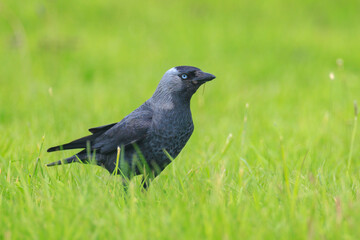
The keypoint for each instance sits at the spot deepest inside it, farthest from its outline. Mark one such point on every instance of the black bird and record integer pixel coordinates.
(158, 128)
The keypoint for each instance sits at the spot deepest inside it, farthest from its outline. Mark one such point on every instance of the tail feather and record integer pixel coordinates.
(79, 143)
(61, 162)
(83, 142)
(79, 157)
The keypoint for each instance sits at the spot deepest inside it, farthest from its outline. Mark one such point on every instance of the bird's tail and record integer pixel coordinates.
(64, 161)
(79, 157)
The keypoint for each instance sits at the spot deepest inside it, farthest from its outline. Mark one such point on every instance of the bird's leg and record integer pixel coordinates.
(147, 178)
(145, 182)
(125, 183)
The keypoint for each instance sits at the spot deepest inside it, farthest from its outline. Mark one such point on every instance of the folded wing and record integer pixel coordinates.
(107, 138)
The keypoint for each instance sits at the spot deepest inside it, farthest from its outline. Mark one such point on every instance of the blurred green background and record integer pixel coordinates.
(287, 172)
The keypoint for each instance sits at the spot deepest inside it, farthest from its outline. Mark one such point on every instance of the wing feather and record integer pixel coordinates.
(107, 138)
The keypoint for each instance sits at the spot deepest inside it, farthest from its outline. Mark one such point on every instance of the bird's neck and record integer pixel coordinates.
(170, 110)
(170, 101)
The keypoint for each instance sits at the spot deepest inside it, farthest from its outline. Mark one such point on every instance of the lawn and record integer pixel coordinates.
(275, 151)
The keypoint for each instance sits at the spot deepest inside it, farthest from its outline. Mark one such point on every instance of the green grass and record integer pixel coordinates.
(289, 171)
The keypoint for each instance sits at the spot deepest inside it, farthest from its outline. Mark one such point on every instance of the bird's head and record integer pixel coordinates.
(183, 81)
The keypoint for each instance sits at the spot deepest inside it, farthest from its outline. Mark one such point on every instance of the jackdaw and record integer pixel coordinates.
(149, 137)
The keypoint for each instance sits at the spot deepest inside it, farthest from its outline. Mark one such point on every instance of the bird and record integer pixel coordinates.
(151, 136)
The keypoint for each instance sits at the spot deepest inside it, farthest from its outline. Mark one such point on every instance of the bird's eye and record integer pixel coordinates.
(184, 76)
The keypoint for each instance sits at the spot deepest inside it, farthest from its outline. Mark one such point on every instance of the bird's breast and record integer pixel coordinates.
(170, 135)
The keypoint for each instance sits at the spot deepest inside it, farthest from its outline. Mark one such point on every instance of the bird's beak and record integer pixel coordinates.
(203, 77)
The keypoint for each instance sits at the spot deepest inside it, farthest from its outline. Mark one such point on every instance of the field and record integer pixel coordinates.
(275, 151)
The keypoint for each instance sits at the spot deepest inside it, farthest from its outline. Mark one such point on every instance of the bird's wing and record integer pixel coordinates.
(131, 129)
(101, 128)
(108, 137)
(81, 142)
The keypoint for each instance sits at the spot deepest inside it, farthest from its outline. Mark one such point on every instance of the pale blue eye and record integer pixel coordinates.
(184, 76)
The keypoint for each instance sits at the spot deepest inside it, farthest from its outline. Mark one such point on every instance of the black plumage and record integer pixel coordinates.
(158, 128)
